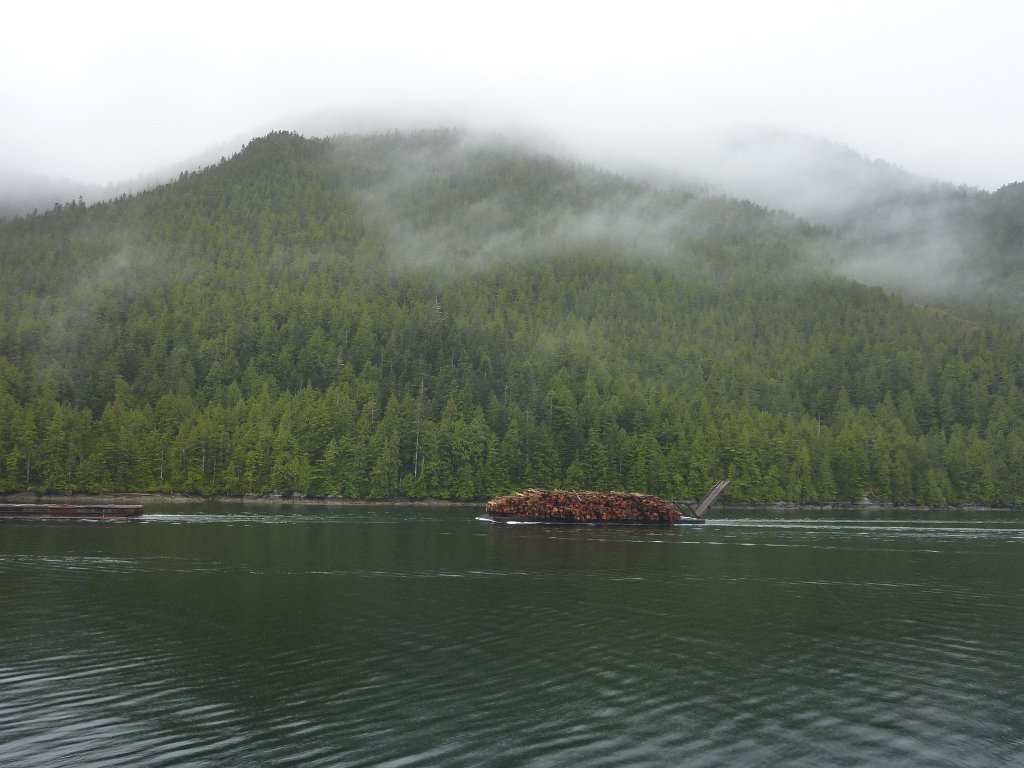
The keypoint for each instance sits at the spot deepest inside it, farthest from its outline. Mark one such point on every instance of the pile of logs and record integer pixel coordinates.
(583, 507)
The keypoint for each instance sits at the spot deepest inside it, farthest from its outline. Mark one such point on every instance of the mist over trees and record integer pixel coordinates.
(930, 241)
(436, 314)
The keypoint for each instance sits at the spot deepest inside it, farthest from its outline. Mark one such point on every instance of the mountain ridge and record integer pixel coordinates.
(931, 241)
(432, 314)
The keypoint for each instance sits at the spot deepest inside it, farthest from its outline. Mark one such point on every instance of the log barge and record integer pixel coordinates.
(597, 508)
(70, 511)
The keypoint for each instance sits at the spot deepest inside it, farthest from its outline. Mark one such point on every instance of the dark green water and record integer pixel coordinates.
(260, 636)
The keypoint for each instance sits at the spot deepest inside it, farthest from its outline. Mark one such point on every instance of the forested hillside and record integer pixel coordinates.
(434, 314)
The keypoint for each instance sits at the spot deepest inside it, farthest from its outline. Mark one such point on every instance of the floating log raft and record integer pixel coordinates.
(556, 506)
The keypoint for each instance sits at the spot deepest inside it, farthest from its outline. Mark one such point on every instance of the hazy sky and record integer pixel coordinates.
(104, 90)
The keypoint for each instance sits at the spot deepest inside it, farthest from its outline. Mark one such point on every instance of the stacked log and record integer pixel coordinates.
(583, 507)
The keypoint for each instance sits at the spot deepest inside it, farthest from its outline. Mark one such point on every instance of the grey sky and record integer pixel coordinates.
(105, 90)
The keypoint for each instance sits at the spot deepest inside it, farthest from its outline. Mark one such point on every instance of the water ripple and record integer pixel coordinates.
(302, 640)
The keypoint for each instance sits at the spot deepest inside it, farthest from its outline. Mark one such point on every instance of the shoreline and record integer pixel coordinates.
(82, 497)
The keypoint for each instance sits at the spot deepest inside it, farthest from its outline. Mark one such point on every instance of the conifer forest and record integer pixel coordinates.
(434, 314)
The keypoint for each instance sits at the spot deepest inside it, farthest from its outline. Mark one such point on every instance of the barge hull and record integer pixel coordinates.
(70, 511)
(523, 519)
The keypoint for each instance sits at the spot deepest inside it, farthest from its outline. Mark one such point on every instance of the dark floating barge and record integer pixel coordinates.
(597, 508)
(70, 511)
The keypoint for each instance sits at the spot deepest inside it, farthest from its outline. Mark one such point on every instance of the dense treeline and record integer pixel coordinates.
(425, 315)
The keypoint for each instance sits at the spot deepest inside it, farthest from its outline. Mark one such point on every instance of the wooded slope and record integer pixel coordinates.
(433, 314)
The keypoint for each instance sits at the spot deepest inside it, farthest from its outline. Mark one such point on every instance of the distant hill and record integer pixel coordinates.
(931, 241)
(818, 180)
(439, 314)
(23, 193)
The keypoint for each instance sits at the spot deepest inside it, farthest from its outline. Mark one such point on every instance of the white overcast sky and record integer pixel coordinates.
(102, 90)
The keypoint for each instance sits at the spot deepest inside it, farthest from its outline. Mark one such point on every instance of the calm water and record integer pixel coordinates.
(260, 636)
